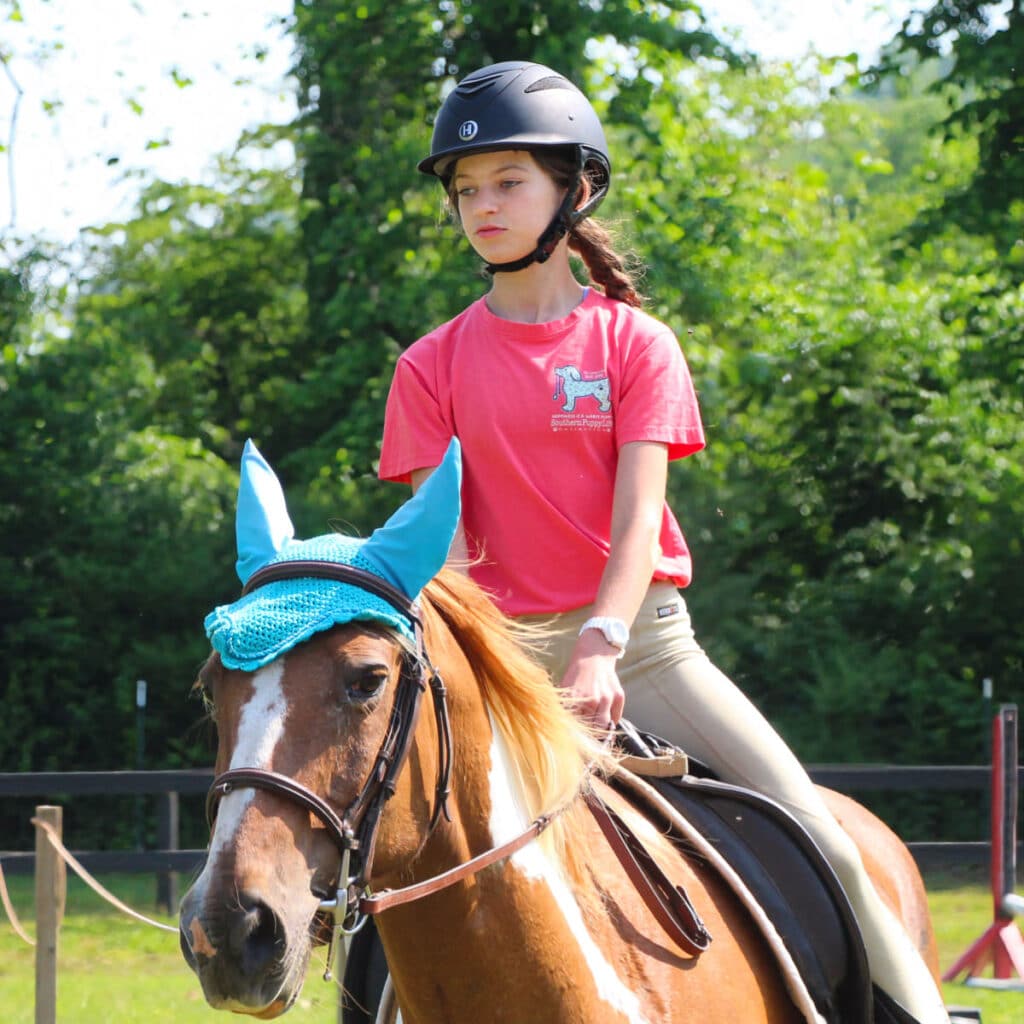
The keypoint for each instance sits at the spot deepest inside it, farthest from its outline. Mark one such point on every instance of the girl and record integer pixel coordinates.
(569, 402)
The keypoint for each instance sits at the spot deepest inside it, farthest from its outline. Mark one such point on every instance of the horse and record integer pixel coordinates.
(498, 898)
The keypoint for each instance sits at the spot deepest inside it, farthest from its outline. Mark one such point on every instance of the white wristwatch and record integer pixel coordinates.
(615, 631)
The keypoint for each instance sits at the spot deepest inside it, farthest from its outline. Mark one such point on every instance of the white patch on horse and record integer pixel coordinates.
(508, 819)
(259, 729)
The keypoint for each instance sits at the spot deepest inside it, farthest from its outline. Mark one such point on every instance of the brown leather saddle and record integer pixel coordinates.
(783, 867)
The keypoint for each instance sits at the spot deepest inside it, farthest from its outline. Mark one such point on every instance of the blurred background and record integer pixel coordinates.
(213, 229)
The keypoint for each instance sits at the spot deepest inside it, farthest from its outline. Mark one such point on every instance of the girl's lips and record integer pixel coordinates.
(489, 231)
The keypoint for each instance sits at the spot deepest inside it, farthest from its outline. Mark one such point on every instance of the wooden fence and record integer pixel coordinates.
(168, 860)
(1001, 781)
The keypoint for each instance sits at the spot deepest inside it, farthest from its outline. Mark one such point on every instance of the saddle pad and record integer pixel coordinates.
(787, 875)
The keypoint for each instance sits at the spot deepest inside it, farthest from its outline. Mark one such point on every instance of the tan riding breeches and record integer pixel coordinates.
(674, 691)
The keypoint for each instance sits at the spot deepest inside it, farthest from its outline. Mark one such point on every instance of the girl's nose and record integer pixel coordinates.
(488, 200)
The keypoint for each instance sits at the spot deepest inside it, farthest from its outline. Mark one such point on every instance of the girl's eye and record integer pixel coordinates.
(465, 191)
(510, 183)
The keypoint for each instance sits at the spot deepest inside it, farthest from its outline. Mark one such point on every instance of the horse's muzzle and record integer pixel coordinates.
(241, 956)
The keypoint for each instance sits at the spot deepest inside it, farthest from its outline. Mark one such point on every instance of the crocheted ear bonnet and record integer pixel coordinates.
(407, 551)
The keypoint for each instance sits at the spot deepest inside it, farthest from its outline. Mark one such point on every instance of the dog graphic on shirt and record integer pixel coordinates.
(570, 383)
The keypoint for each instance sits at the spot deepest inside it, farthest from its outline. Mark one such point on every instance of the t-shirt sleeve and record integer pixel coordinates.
(657, 400)
(417, 425)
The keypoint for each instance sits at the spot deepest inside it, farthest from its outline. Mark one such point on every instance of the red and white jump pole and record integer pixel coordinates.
(1001, 944)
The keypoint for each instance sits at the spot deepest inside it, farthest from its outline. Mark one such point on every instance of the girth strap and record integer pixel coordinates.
(668, 903)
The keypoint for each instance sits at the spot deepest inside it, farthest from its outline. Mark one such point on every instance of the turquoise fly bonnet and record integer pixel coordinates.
(406, 552)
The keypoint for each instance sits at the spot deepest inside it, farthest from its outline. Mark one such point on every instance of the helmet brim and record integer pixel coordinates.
(439, 165)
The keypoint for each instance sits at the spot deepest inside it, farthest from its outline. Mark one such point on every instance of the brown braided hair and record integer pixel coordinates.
(589, 239)
(593, 242)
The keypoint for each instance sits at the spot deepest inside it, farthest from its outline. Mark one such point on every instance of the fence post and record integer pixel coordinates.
(167, 839)
(51, 891)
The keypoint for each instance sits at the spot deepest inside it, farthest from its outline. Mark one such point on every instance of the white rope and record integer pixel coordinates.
(11, 915)
(51, 834)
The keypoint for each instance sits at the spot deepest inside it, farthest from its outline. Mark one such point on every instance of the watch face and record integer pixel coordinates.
(616, 632)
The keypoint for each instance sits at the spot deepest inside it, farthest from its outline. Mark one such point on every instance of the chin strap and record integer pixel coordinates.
(562, 223)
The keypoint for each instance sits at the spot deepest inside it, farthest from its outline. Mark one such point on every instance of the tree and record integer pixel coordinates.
(855, 518)
(834, 515)
(978, 45)
(206, 280)
(121, 427)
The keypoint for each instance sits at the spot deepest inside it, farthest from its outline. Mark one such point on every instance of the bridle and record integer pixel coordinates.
(354, 832)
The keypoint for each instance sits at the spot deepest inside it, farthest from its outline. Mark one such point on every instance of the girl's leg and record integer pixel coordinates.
(673, 690)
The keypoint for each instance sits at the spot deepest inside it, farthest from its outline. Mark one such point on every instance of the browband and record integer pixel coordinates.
(318, 569)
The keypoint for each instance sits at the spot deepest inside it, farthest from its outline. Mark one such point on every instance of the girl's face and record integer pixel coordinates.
(505, 201)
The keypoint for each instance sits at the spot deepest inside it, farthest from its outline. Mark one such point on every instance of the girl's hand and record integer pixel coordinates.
(592, 681)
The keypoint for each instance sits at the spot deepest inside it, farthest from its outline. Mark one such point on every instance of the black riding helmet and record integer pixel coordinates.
(520, 105)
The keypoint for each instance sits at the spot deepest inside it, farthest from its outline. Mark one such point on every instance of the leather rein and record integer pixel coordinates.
(354, 833)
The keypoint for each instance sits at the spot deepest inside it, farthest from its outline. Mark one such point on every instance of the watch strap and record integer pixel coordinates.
(614, 630)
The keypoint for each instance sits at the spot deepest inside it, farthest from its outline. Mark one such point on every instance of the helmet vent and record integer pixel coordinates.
(478, 83)
(552, 82)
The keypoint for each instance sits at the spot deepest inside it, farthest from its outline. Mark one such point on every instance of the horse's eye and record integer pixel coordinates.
(366, 683)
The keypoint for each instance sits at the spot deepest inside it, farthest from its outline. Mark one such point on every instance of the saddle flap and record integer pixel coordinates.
(786, 872)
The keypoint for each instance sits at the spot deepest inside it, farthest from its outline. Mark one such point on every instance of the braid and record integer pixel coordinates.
(589, 238)
(606, 267)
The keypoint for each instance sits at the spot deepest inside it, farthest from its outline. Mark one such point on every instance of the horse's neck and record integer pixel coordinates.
(521, 921)
(513, 937)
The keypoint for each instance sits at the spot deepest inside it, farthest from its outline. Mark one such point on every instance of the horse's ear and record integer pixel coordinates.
(262, 524)
(410, 548)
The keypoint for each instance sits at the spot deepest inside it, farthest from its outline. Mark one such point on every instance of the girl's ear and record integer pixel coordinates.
(583, 195)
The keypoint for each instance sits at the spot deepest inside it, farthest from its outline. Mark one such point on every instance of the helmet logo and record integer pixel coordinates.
(468, 130)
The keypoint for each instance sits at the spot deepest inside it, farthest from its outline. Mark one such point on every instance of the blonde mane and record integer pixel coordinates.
(554, 751)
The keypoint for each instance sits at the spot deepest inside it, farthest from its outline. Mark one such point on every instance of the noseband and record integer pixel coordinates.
(354, 833)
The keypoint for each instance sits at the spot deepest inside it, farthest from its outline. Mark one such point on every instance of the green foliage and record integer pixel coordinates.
(977, 45)
(861, 420)
(206, 284)
(121, 430)
(855, 519)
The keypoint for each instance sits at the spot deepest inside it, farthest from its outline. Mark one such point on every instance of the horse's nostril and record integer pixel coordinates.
(256, 935)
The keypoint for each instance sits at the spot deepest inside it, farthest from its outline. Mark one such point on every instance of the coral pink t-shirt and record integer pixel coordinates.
(541, 411)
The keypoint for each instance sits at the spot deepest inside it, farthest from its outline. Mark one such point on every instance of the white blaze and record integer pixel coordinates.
(259, 728)
(508, 820)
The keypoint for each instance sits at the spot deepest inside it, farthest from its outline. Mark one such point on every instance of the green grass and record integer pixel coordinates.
(114, 970)
(961, 906)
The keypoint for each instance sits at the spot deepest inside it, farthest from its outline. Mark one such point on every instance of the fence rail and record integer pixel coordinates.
(46, 784)
(169, 784)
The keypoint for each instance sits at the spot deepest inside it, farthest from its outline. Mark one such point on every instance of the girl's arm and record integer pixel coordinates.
(637, 509)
